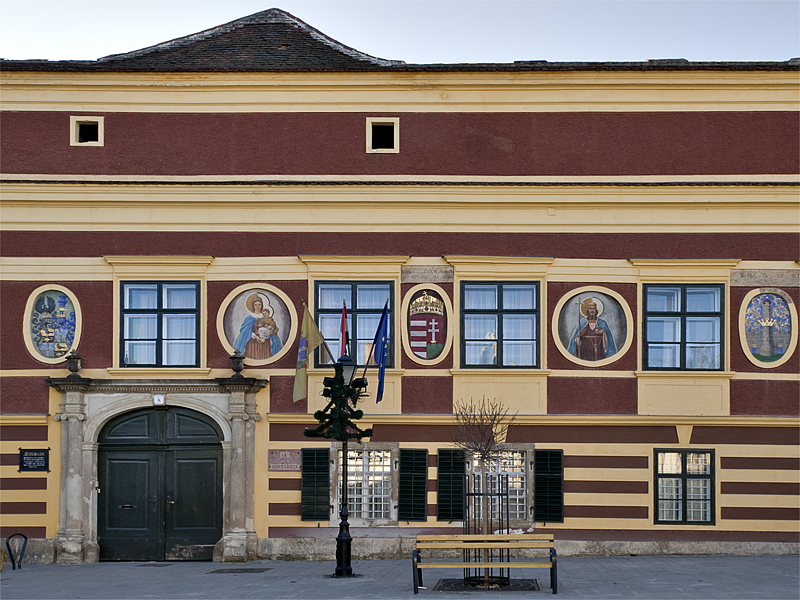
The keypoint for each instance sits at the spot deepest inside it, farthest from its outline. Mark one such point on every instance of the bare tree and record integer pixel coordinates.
(479, 429)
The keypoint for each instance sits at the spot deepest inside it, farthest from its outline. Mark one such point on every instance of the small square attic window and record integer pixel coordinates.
(86, 131)
(383, 135)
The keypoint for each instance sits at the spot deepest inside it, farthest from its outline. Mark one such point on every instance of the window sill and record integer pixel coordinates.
(704, 374)
(510, 371)
(158, 372)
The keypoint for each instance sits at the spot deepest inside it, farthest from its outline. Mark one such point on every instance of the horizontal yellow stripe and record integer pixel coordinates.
(607, 499)
(24, 419)
(583, 474)
(27, 520)
(760, 476)
(541, 91)
(759, 501)
(401, 208)
(25, 495)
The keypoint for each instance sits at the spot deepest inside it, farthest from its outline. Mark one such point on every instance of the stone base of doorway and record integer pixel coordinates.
(401, 548)
(516, 585)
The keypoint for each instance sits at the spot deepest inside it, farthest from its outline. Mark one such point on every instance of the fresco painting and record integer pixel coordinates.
(52, 324)
(427, 324)
(257, 324)
(768, 326)
(592, 326)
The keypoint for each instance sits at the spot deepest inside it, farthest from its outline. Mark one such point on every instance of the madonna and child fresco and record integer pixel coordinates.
(592, 326)
(257, 324)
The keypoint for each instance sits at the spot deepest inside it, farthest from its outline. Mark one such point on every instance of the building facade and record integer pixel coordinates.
(610, 250)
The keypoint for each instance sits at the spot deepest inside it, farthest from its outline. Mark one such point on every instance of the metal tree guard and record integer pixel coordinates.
(475, 522)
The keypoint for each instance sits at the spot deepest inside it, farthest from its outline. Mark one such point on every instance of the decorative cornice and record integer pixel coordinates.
(242, 384)
(154, 386)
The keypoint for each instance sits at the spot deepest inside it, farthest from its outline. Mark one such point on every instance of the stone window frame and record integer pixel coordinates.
(75, 121)
(684, 477)
(395, 123)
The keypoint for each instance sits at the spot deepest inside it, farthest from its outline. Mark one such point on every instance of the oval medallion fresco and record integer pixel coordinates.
(426, 335)
(592, 326)
(51, 330)
(257, 322)
(768, 327)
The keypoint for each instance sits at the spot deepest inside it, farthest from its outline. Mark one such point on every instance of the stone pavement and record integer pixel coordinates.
(654, 577)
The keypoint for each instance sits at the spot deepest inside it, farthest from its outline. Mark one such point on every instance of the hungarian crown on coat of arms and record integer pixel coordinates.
(426, 305)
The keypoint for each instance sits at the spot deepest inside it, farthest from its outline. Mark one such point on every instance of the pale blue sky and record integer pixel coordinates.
(428, 31)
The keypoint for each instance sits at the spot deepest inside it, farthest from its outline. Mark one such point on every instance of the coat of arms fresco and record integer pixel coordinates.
(52, 324)
(768, 326)
(427, 324)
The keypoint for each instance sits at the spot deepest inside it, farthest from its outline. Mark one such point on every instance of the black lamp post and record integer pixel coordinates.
(336, 423)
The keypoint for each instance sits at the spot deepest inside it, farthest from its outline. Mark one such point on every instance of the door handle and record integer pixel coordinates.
(170, 501)
(152, 500)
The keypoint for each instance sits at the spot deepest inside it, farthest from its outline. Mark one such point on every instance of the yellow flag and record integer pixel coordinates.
(310, 339)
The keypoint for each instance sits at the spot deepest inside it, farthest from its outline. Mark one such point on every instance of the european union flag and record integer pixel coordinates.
(379, 349)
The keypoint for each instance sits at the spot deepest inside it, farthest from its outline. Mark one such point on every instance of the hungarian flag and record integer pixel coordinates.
(310, 339)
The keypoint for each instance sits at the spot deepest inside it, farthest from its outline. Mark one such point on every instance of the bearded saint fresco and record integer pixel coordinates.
(592, 326)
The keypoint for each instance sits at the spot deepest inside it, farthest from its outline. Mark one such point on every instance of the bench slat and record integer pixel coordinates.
(470, 565)
(482, 545)
(488, 537)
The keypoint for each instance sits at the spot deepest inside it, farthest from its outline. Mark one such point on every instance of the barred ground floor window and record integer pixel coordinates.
(684, 486)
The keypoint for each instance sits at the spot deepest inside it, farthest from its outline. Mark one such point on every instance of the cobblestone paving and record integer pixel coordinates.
(651, 577)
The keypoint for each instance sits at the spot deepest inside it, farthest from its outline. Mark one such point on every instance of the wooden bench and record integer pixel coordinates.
(473, 557)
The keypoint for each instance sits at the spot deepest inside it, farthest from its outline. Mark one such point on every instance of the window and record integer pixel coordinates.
(369, 484)
(160, 324)
(383, 135)
(86, 131)
(315, 494)
(412, 489)
(684, 486)
(548, 486)
(507, 464)
(500, 323)
(365, 302)
(450, 485)
(683, 327)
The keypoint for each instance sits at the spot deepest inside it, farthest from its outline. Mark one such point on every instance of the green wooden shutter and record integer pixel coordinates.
(412, 490)
(315, 494)
(548, 486)
(450, 485)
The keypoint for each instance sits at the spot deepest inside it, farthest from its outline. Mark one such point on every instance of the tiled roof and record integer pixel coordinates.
(274, 40)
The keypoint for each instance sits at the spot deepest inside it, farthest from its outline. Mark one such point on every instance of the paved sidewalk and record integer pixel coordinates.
(653, 577)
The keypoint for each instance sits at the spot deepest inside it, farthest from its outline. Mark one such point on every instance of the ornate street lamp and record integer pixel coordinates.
(336, 422)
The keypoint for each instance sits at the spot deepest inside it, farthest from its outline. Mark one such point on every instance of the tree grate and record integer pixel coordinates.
(244, 570)
(516, 585)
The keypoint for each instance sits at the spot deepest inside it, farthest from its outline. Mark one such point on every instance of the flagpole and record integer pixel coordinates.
(372, 349)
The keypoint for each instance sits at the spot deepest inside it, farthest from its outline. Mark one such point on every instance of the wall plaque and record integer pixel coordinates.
(284, 460)
(34, 460)
(426, 274)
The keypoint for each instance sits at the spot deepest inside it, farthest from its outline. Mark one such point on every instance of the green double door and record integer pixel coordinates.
(160, 486)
